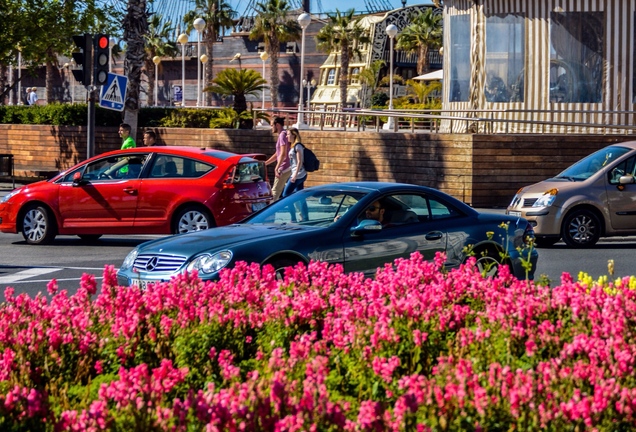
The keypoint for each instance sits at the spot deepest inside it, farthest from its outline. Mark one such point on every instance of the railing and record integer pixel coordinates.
(429, 121)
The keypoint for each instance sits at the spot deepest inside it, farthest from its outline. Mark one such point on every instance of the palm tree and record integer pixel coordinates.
(217, 15)
(274, 26)
(158, 43)
(370, 78)
(344, 34)
(238, 83)
(421, 90)
(135, 27)
(422, 34)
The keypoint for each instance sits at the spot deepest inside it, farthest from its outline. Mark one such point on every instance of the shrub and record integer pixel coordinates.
(416, 348)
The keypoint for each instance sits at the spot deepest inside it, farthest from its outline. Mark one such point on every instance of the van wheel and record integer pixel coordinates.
(38, 225)
(192, 219)
(581, 229)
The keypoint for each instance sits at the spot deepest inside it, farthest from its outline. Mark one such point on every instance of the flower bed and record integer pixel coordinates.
(417, 348)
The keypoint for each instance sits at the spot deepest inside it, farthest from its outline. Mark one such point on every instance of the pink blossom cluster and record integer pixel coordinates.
(415, 348)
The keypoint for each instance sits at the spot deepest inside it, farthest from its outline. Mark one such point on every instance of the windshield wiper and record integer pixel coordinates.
(569, 178)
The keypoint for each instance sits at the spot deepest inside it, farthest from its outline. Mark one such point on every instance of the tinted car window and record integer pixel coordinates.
(590, 165)
(112, 168)
(249, 172)
(628, 166)
(166, 166)
(317, 208)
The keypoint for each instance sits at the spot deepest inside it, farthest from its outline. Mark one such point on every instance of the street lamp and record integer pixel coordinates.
(183, 40)
(310, 85)
(111, 44)
(391, 32)
(66, 67)
(19, 99)
(204, 60)
(156, 60)
(264, 56)
(199, 25)
(304, 19)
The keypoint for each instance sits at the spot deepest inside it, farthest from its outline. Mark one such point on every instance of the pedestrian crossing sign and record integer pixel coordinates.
(113, 94)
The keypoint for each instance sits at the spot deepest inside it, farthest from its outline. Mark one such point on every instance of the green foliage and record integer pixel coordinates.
(238, 83)
(379, 99)
(51, 114)
(188, 118)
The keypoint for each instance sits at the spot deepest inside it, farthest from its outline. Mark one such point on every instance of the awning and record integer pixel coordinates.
(431, 76)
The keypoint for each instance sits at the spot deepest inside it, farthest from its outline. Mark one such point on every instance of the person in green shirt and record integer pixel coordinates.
(124, 133)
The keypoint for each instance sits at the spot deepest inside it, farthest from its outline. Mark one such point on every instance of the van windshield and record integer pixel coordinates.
(590, 165)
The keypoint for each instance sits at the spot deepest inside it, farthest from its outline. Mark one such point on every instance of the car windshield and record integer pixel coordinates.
(590, 165)
(317, 208)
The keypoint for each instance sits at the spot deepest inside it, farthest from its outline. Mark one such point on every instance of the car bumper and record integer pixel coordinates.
(517, 264)
(7, 219)
(545, 221)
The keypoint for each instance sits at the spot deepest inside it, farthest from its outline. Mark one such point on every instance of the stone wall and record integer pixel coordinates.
(481, 170)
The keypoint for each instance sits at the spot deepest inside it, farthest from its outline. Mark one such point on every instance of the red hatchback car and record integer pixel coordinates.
(147, 190)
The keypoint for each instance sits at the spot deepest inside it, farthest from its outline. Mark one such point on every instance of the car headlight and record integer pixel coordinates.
(130, 259)
(210, 263)
(10, 195)
(547, 199)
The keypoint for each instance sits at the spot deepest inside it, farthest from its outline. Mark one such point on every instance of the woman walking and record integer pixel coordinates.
(298, 176)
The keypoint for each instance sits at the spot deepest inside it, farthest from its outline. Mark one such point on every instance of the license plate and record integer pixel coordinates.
(258, 206)
(140, 283)
(515, 213)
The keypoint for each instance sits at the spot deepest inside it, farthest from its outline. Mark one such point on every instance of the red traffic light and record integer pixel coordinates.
(102, 42)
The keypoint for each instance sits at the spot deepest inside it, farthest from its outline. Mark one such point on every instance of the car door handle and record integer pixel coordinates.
(130, 191)
(435, 235)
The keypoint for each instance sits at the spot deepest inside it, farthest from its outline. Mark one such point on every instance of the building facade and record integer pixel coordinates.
(530, 66)
(327, 92)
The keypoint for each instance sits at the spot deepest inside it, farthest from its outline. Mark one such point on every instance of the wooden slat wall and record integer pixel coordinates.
(482, 170)
(618, 75)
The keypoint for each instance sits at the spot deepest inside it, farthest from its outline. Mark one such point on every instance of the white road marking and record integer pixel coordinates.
(28, 273)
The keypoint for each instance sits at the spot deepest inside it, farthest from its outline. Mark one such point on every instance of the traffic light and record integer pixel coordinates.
(102, 59)
(85, 43)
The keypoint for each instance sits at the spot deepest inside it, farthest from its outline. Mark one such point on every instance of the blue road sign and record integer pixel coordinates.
(113, 94)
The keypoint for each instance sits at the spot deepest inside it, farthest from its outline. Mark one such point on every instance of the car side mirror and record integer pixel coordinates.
(626, 179)
(325, 200)
(366, 225)
(77, 179)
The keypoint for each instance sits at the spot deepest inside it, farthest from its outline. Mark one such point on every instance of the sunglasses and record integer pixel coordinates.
(374, 208)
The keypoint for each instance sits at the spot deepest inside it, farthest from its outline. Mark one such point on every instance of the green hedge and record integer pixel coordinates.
(56, 114)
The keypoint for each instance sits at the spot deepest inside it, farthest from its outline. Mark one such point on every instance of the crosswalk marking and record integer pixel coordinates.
(28, 273)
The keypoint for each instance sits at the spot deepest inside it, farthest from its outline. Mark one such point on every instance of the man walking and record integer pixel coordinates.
(150, 139)
(124, 133)
(282, 171)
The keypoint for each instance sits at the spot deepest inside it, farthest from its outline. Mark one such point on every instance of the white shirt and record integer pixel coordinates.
(33, 98)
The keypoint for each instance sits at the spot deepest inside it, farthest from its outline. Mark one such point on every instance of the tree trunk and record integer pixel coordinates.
(422, 60)
(150, 73)
(344, 74)
(135, 26)
(209, 73)
(272, 47)
(49, 80)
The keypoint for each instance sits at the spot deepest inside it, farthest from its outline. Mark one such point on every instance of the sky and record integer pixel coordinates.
(359, 5)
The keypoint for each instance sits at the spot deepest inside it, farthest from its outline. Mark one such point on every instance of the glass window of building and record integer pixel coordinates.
(355, 75)
(577, 41)
(460, 58)
(331, 77)
(505, 46)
